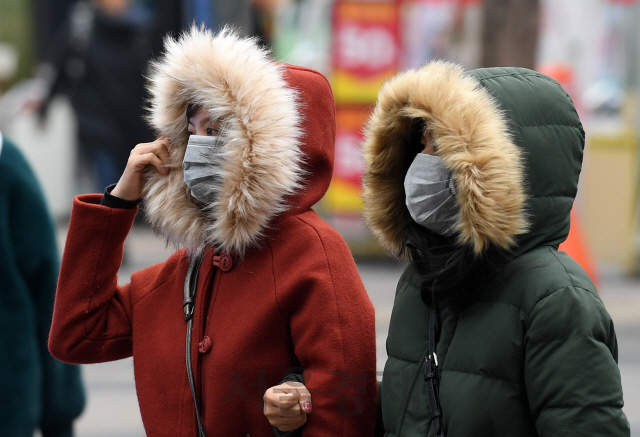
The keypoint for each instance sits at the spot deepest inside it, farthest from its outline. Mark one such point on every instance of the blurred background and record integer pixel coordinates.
(72, 97)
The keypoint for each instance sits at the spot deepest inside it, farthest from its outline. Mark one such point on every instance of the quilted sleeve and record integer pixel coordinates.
(571, 373)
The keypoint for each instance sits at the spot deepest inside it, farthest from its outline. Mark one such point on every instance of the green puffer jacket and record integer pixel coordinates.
(37, 392)
(536, 354)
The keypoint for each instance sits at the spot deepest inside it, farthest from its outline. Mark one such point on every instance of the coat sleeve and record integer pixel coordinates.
(33, 236)
(92, 313)
(571, 372)
(332, 325)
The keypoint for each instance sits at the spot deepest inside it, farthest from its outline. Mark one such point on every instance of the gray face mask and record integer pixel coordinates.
(430, 194)
(202, 166)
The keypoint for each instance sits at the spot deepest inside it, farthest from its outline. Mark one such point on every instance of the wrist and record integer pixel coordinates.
(113, 201)
(123, 193)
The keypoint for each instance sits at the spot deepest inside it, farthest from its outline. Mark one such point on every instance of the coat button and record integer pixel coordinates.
(204, 345)
(226, 262)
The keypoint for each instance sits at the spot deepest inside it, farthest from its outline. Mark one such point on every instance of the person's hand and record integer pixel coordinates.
(131, 182)
(287, 405)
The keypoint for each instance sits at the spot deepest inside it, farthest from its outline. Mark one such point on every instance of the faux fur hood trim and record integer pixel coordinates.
(472, 138)
(239, 84)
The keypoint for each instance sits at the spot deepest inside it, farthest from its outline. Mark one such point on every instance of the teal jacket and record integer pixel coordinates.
(36, 391)
(536, 353)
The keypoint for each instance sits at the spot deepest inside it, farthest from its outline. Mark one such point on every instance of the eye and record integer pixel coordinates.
(212, 131)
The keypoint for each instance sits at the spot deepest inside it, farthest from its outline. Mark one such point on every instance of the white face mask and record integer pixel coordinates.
(430, 194)
(202, 165)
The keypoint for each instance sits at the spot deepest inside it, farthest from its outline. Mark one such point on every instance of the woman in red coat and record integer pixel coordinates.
(277, 287)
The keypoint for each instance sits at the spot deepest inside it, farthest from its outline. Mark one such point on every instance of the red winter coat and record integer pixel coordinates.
(292, 297)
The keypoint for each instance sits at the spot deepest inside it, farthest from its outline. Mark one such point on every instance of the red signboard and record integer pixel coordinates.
(348, 163)
(346, 188)
(365, 48)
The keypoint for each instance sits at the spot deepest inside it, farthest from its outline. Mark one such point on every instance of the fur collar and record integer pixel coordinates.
(237, 82)
(472, 137)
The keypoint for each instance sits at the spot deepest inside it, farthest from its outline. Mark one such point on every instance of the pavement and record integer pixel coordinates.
(112, 408)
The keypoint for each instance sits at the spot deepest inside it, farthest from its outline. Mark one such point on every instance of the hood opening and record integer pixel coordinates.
(279, 140)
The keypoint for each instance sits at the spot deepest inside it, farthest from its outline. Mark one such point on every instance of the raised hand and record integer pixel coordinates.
(131, 182)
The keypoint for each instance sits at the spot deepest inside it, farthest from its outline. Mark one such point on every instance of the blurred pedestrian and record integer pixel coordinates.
(262, 285)
(98, 60)
(37, 392)
(472, 176)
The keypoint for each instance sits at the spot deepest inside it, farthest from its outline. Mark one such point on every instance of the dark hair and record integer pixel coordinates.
(192, 109)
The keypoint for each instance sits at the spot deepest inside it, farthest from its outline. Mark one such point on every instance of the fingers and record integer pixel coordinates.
(305, 400)
(155, 153)
(301, 395)
(287, 424)
(142, 161)
(131, 183)
(283, 398)
(163, 153)
(286, 405)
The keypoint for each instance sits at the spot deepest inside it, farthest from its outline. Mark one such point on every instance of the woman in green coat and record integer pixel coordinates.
(472, 176)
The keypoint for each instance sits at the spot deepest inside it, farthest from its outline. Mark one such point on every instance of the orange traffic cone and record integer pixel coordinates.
(576, 247)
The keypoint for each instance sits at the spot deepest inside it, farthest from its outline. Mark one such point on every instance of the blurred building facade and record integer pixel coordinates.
(591, 46)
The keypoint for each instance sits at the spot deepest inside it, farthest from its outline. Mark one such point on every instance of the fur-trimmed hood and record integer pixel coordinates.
(512, 137)
(278, 131)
